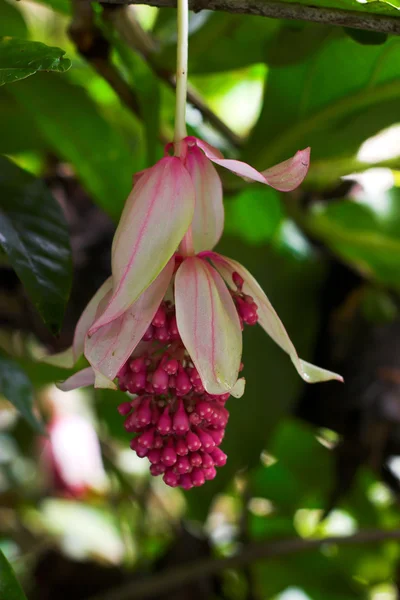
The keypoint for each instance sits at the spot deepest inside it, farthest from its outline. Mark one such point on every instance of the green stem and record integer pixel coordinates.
(181, 74)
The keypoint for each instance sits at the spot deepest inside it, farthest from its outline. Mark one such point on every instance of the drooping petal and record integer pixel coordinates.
(109, 347)
(69, 357)
(208, 324)
(77, 380)
(87, 318)
(156, 216)
(208, 218)
(288, 175)
(285, 176)
(268, 318)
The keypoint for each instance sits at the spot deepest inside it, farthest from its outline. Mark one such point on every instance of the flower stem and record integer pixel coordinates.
(181, 73)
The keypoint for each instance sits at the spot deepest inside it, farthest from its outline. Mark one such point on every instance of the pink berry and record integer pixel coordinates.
(180, 422)
(171, 478)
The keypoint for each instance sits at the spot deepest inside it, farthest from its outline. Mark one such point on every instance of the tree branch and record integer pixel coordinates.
(182, 574)
(287, 10)
(134, 36)
(93, 46)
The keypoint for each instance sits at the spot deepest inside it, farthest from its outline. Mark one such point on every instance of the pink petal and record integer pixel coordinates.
(288, 175)
(69, 357)
(87, 318)
(156, 216)
(269, 319)
(208, 218)
(77, 380)
(208, 324)
(109, 347)
(285, 176)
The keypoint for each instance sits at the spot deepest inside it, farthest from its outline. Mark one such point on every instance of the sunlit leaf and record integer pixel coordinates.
(328, 102)
(71, 123)
(367, 240)
(20, 59)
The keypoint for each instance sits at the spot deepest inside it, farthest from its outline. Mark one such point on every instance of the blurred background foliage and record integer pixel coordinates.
(79, 515)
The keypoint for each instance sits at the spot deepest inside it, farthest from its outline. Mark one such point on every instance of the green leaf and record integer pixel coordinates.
(71, 123)
(303, 474)
(224, 34)
(366, 37)
(17, 389)
(12, 23)
(9, 586)
(331, 109)
(307, 38)
(33, 234)
(61, 6)
(20, 59)
(365, 239)
(147, 87)
(254, 214)
(17, 131)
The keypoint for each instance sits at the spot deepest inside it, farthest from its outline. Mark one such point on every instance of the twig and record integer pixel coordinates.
(175, 577)
(287, 10)
(132, 33)
(94, 47)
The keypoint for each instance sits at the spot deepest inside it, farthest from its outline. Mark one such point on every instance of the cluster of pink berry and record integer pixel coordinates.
(245, 305)
(178, 425)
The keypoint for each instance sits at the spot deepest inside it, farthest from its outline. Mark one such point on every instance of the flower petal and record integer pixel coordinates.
(77, 380)
(268, 318)
(208, 324)
(87, 318)
(156, 216)
(285, 176)
(288, 175)
(67, 358)
(109, 347)
(208, 218)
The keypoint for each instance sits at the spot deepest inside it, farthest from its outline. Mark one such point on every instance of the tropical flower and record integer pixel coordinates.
(167, 324)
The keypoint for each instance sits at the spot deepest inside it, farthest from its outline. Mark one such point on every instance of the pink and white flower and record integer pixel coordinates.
(168, 323)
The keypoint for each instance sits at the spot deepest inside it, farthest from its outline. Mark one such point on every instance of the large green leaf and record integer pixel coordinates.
(12, 22)
(17, 131)
(368, 240)
(34, 235)
(332, 102)
(303, 473)
(71, 123)
(214, 46)
(254, 214)
(20, 59)
(9, 586)
(17, 389)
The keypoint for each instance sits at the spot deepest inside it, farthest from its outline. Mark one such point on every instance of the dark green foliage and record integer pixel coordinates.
(35, 238)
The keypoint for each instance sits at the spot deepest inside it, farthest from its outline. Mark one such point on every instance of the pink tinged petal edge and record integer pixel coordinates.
(208, 218)
(77, 380)
(288, 175)
(111, 345)
(156, 216)
(69, 357)
(209, 325)
(269, 320)
(285, 176)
